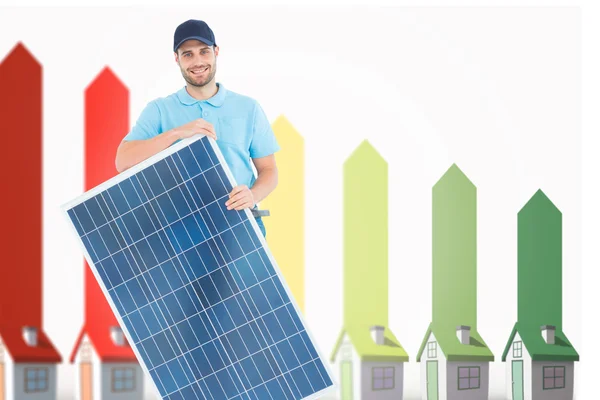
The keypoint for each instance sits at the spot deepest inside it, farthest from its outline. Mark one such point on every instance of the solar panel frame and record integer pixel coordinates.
(209, 145)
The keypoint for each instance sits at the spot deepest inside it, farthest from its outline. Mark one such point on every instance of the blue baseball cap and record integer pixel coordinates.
(193, 29)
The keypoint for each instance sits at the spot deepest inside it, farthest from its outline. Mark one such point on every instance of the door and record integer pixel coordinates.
(86, 381)
(347, 384)
(432, 380)
(517, 380)
(1, 381)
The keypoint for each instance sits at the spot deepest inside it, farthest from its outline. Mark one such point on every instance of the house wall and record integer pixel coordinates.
(553, 394)
(442, 395)
(19, 382)
(526, 358)
(367, 384)
(362, 375)
(471, 394)
(356, 371)
(106, 379)
(9, 382)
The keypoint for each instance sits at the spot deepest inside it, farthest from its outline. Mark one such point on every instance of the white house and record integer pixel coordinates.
(28, 363)
(107, 368)
(539, 364)
(454, 365)
(371, 364)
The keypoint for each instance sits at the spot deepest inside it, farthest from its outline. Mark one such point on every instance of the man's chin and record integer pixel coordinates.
(198, 83)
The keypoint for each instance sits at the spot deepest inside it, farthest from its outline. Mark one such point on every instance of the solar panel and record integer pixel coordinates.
(194, 285)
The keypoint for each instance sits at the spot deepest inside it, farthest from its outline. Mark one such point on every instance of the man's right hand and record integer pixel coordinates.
(197, 126)
(132, 152)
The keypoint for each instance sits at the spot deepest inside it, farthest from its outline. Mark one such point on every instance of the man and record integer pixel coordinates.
(205, 107)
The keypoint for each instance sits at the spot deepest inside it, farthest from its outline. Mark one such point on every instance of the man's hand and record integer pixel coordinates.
(240, 198)
(195, 127)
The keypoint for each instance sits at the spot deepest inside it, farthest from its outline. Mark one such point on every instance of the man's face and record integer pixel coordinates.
(197, 61)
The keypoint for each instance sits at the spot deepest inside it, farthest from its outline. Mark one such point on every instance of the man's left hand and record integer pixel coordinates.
(241, 197)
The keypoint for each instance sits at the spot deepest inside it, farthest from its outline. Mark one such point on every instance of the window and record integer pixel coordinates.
(468, 378)
(36, 380)
(123, 379)
(554, 378)
(383, 378)
(517, 349)
(432, 350)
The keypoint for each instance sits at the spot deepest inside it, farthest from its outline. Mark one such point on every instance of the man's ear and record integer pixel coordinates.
(176, 57)
(216, 50)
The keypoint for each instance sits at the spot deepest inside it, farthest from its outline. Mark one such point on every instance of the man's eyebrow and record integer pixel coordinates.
(202, 48)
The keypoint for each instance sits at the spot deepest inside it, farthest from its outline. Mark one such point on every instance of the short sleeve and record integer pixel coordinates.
(263, 141)
(147, 125)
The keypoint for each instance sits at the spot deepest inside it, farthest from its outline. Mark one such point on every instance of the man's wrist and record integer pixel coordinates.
(254, 197)
(174, 134)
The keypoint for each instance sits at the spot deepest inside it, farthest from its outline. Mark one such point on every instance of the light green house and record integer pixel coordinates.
(367, 354)
(454, 357)
(539, 357)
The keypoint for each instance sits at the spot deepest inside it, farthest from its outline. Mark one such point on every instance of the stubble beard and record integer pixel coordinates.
(190, 79)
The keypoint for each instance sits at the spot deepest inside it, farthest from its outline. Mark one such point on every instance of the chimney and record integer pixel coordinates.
(548, 333)
(464, 334)
(30, 335)
(117, 335)
(377, 334)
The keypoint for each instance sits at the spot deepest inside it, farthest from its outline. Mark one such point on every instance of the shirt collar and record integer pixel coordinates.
(216, 101)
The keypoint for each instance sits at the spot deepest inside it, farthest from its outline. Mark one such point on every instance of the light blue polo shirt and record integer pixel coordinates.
(243, 130)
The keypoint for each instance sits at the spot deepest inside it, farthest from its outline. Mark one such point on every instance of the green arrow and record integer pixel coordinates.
(540, 262)
(365, 238)
(454, 251)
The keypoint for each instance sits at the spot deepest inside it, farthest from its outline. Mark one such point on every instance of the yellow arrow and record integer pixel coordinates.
(285, 225)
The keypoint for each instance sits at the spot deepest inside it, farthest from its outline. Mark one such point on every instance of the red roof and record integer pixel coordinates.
(106, 349)
(21, 352)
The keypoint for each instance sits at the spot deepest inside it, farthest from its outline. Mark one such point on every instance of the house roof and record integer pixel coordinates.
(538, 349)
(21, 352)
(453, 350)
(367, 349)
(106, 349)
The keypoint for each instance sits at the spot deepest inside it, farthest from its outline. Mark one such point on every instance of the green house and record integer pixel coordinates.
(454, 357)
(369, 358)
(539, 357)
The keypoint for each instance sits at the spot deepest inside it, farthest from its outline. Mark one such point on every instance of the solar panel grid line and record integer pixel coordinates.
(235, 308)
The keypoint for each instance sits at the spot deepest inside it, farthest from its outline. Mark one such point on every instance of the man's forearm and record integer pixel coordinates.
(135, 151)
(265, 183)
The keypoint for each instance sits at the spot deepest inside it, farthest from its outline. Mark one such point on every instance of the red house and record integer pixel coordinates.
(107, 367)
(28, 359)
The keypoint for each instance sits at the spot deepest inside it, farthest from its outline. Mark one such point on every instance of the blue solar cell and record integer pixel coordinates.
(95, 212)
(193, 283)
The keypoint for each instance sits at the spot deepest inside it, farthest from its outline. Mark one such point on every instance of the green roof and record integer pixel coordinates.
(453, 350)
(538, 349)
(367, 349)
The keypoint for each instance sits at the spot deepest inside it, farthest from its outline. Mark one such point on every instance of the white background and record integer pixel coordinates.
(496, 90)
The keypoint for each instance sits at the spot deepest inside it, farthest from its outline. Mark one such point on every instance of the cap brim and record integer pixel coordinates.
(203, 40)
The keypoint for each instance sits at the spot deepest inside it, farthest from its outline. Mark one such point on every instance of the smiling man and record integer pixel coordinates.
(204, 106)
